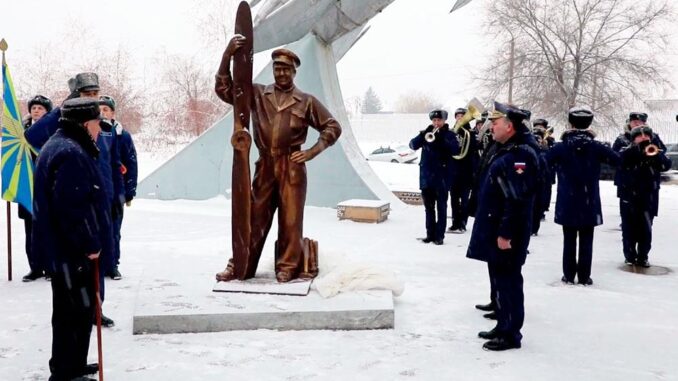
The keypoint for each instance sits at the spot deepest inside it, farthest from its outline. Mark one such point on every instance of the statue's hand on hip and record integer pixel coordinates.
(303, 156)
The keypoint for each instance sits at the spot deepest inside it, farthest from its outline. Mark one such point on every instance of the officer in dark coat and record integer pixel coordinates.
(543, 198)
(642, 161)
(86, 85)
(71, 228)
(126, 175)
(503, 219)
(438, 145)
(576, 160)
(38, 106)
(462, 170)
(110, 167)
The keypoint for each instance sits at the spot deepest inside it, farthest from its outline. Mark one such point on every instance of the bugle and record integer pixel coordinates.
(651, 150)
(431, 135)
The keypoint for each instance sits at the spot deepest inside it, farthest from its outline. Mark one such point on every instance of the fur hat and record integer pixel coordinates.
(441, 114)
(580, 117)
(40, 100)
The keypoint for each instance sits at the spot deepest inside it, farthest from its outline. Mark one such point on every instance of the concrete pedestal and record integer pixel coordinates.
(188, 305)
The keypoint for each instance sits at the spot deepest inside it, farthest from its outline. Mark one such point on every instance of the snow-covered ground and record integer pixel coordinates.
(625, 327)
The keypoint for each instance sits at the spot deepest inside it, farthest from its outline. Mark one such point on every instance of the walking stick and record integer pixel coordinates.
(98, 317)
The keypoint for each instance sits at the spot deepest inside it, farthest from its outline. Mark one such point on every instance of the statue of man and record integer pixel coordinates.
(281, 115)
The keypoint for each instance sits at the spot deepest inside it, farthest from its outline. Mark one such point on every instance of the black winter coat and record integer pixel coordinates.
(640, 183)
(435, 157)
(506, 195)
(463, 170)
(71, 212)
(576, 160)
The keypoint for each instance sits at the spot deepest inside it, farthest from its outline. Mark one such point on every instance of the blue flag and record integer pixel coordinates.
(17, 164)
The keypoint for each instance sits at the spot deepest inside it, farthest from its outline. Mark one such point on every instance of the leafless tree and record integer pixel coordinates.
(597, 53)
(115, 76)
(184, 101)
(416, 102)
(215, 22)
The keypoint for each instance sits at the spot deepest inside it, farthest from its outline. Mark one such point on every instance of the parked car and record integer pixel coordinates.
(401, 154)
(672, 153)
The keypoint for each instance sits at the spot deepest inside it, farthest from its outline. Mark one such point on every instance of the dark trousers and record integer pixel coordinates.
(459, 195)
(493, 286)
(537, 214)
(510, 299)
(435, 205)
(636, 231)
(72, 315)
(117, 225)
(572, 266)
(32, 260)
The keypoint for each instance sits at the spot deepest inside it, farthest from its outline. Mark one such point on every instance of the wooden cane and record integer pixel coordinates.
(98, 317)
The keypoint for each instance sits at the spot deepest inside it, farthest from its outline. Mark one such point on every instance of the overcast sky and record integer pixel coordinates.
(411, 46)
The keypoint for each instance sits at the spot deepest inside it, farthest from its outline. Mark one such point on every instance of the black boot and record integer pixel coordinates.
(438, 242)
(500, 344)
(90, 369)
(566, 281)
(643, 263)
(33, 275)
(425, 240)
(492, 316)
(115, 274)
(489, 335)
(105, 322)
(587, 282)
(485, 307)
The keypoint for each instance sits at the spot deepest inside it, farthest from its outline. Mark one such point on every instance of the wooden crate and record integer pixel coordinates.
(374, 211)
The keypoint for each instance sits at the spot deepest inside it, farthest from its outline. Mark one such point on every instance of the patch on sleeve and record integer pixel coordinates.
(519, 167)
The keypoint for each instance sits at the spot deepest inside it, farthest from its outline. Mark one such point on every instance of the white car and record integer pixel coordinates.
(401, 154)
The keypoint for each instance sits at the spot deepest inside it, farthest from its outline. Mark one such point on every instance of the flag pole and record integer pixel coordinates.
(3, 47)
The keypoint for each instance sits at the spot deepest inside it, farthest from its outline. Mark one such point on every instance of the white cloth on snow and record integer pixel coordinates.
(357, 277)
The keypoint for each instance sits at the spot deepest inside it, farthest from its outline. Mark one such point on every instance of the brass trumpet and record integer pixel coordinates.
(430, 136)
(652, 150)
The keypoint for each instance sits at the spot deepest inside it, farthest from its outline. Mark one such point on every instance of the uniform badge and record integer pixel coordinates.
(519, 167)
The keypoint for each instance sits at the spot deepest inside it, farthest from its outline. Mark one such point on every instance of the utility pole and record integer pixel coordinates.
(512, 60)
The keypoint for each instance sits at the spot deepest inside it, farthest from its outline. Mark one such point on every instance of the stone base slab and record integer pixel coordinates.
(188, 305)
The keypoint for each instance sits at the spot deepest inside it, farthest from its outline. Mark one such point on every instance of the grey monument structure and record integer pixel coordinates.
(320, 32)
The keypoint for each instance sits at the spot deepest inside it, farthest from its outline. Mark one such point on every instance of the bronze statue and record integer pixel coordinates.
(281, 115)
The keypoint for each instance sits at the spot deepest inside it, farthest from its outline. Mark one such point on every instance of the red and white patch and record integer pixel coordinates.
(519, 168)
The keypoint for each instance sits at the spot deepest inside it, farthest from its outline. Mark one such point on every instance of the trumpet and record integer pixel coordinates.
(430, 136)
(475, 110)
(652, 150)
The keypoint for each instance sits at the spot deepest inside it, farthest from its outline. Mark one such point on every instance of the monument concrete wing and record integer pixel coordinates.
(328, 19)
(203, 169)
(459, 4)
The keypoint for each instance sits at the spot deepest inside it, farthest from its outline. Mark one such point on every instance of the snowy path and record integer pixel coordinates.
(625, 327)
